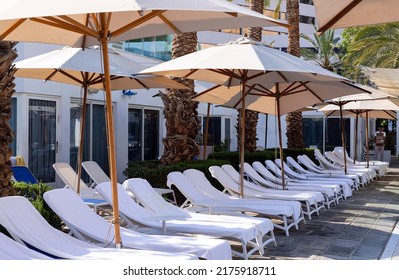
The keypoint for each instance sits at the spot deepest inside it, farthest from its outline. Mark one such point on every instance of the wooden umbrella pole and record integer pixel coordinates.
(280, 140)
(356, 132)
(81, 141)
(111, 138)
(343, 136)
(242, 140)
(367, 138)
(206, 131)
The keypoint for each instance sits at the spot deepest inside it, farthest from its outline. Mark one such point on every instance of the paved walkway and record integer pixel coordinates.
(363, 227)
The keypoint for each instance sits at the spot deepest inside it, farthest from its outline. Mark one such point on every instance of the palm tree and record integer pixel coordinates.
(181, 115)
(375, 46)
(294, 120)
(326, 46)
(7, 56)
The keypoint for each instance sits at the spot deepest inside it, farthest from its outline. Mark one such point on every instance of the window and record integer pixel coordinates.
(143, 134)
(42, 139)
(333, 133)
(214, 130)
(313, 132)
(95, 137)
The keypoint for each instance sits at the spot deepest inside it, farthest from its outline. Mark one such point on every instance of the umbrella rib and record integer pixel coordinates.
(258, 75)
(85, 29)
(51, 75)
(66, 74)
(140, 82)
(311, 91)
(245, 95)
(207, 90)
(55, 22)
(336, 18)
(170, 24)
(12, 28)
(136, 22)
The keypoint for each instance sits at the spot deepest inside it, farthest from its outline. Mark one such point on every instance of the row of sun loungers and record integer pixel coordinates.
(204, 227)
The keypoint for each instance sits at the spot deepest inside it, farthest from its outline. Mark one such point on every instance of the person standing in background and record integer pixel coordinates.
(379, 144)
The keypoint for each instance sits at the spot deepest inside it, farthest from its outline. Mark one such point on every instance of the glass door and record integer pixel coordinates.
(43, 144)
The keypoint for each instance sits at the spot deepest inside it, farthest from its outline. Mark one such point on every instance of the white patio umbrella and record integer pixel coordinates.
(86, 23)
(256, 77)
(83, 67)
(347, 13)
(358, 104)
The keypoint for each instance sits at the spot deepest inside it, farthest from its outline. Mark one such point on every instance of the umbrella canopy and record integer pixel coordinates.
(386, 79)
(258, 78)
(358, 104)
(347, 13)
(85, 23)
(83, 67)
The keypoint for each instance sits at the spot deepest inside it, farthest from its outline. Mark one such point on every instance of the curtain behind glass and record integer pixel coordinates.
(75, 122)
(151, 134)
(100, 147)
(42, 139)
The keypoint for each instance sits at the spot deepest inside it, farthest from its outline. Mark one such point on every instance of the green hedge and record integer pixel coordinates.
(156, 174)
(34, 192)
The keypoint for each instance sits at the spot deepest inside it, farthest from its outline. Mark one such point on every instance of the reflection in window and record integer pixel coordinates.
(313, 132)
(95, 137)
(42, 139)
(143, 134)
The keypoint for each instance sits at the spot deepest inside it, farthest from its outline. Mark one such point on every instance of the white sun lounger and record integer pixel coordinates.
(88, 226)
(382, 165)
(329, 191)
(70, 179)
(311, 202)
(344, 190)
(337, 157)
(313, 167)
(296, 167)
(192, 182)
(98, 176)
(326, 164)
(28, 227)
(249, 233)
(371, 172)
(11, 250)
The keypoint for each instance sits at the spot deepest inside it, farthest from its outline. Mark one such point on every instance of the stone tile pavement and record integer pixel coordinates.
(363, 227)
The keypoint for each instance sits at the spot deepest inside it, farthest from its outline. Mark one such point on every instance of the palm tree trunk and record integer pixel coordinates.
(7, 56)
(251, 117)
(180, 111)
(294, 120)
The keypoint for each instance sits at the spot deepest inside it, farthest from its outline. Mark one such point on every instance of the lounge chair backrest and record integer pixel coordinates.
(70, 177)
(225, 180)
(273, 168)
(291, 173)
(11, 250)
(271, 180)
(24, 222)
(296, 166)
(150, 199)
(185, 186)
(125, 201)
(95, 172)
(73, 211)
(200, 181)
(23, 174)
(323, 161)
